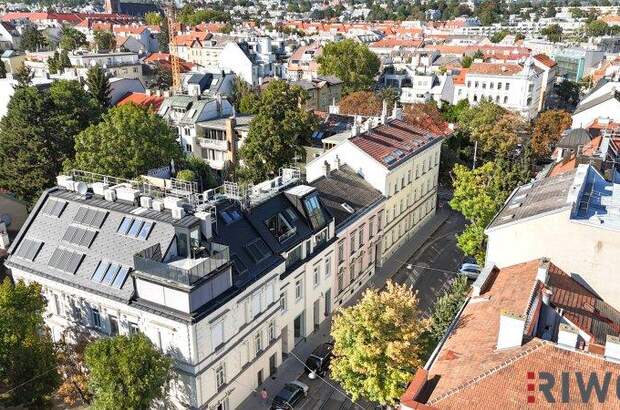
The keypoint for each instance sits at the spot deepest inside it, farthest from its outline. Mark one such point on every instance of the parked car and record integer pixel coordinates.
(318, 361)
(291, 394)
(471, 270)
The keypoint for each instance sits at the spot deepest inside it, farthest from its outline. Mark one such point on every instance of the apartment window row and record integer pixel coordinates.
(258, 302)
(504, 100)
(483, 85)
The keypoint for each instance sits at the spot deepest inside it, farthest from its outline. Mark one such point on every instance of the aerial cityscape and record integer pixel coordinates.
(317, 205)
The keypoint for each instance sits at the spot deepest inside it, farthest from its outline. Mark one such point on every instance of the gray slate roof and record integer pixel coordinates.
(536, 198)
(345, 186)
(575, 137)
(596, 101)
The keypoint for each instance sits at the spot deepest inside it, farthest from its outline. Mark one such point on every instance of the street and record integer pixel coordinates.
(428, 269)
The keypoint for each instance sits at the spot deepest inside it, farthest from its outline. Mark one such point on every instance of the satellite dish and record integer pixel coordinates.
(81, 188)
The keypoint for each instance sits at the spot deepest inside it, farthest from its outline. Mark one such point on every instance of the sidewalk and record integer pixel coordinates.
(291, 368)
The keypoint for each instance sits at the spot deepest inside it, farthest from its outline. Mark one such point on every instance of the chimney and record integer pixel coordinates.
(397, 113)
(546, 296)
(148, 92)
(334, 109)
(511, 328)
(384, 112)
(337, 162)
(480, 284)
(612, 348)
(205, 223)
(5, 241)
(543, 270)
(326, 169)
(568, 336)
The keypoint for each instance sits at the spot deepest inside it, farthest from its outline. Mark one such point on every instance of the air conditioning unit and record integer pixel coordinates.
(146, 202)
(171, 202)
(110, 195)
(158, 205)
(99, 188)
(178, 213)
(127, 193)
(65, 181)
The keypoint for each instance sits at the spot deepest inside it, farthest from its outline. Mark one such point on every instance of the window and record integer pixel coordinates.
(340, 280)
(409, 176)
(57, 308)
(283, 302)
(507, 86)
(220, 376)
(499, 86)
(320, 238)
(352, 272)
(279, 227)
(256, 304)
(96, 318)
(314, 211)
(530, 88)
(491, 86)
(258, 343)
(505, 99)
(360, 241)
(352, 242)
(133, 328)
(217, 335)
(484, 86)
(272, 331)
(316, 275)
(476, 84)
(340, 251)
(380, 221)
(269, 293)
(328, 266)
(293, 256)
(113, 326)
(299, 288)
(371, 227)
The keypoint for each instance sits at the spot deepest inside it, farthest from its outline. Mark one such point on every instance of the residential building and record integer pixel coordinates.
(183, 112)
(515, 87)
(9, 36)
(13, 60)
(580, 207)
(549, 74)
(322, 92)
(302, 64)
(422, 88)
(120, 87)
(399, 160)
(121, 65)
(358, 211)
(220, 139)
(520, 320)
(605, 106)
(117, 257)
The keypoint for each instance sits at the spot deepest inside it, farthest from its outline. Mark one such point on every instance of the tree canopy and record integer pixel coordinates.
(277, 131)
(128, 142)
(376, 344)
(37, 135)
(126, 372)
(32, 39)
(26, 348)
(547, 130)
(447, 306)
(72, 39)
(104, 40)
(350, 61)
(98, 85)
(553, 32)
(364, 103)
(152, 18)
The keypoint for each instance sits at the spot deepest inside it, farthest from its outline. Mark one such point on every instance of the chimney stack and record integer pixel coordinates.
(543, 270)
(326, 169)
(384, 114)
(612, 348)
(511, 328)
(568, 336)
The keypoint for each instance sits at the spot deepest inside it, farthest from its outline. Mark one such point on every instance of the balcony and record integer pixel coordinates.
(187, 271)
(220, 145)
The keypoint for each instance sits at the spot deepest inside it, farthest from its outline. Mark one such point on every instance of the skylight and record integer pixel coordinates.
(135, 228)
(110, 274)
(280, 227)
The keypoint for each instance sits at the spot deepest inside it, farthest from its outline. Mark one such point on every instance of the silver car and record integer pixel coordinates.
(471, 270)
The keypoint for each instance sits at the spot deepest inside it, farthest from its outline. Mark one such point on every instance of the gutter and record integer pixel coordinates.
(433, 357)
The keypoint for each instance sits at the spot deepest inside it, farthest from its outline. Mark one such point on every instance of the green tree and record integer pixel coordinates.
(186, 175)
(547, 130)
(72, 39)
(553, 32)
(478, 55)
(568, 91)
(32, 39)
(498, 36)
(27, 359)
(58, 62)
(163, 76)
(2, 70)
(163, 41)
(152, 18)
(350, 61)
(377, 345)
(126, 372)
(596, 28)
(447, 306)
(37, 135)
(128, 142)
(203, 174)
(277, 132)
(98, 85)
(70, 351)
(104, 40)
(23, 76)
(244, 97)
(467, 61)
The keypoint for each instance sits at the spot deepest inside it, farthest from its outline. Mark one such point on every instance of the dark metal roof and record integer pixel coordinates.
(575, 137)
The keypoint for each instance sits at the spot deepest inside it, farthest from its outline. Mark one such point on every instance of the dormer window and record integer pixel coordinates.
(279, 227)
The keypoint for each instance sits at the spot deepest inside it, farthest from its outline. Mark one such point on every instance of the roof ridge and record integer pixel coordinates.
(489, 372)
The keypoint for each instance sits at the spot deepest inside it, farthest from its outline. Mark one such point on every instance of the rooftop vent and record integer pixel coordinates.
(511, 328)
(347, 207)
(110, 195)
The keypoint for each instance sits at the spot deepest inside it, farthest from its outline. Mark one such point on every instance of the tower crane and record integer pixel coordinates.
(175, 63)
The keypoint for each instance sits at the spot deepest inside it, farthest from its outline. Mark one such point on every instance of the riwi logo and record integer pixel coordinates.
(591, 387)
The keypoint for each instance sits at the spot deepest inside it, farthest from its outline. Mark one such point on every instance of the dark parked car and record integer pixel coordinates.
(291, 394)
(318, 361)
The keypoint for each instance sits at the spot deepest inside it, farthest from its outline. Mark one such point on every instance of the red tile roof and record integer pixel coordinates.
(495, 69)
(388, 42)
(545, 60)
(394, 141)
(141, 99)
(564, 166)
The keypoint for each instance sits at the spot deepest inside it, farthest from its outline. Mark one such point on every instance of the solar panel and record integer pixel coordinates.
(66, 260)
(235, 215)
(145, 231)
(119, 280)
(226, 217)
(54, 207)
(111, 274)
(100, 271)
(135, 228)
(79, 236)
(29, 249)
(90, 217)
(125, 225)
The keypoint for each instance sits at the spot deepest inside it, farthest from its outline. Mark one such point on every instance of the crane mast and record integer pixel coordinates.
(175, 64)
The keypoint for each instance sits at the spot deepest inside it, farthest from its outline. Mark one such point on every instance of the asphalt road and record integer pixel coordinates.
(433, 266)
